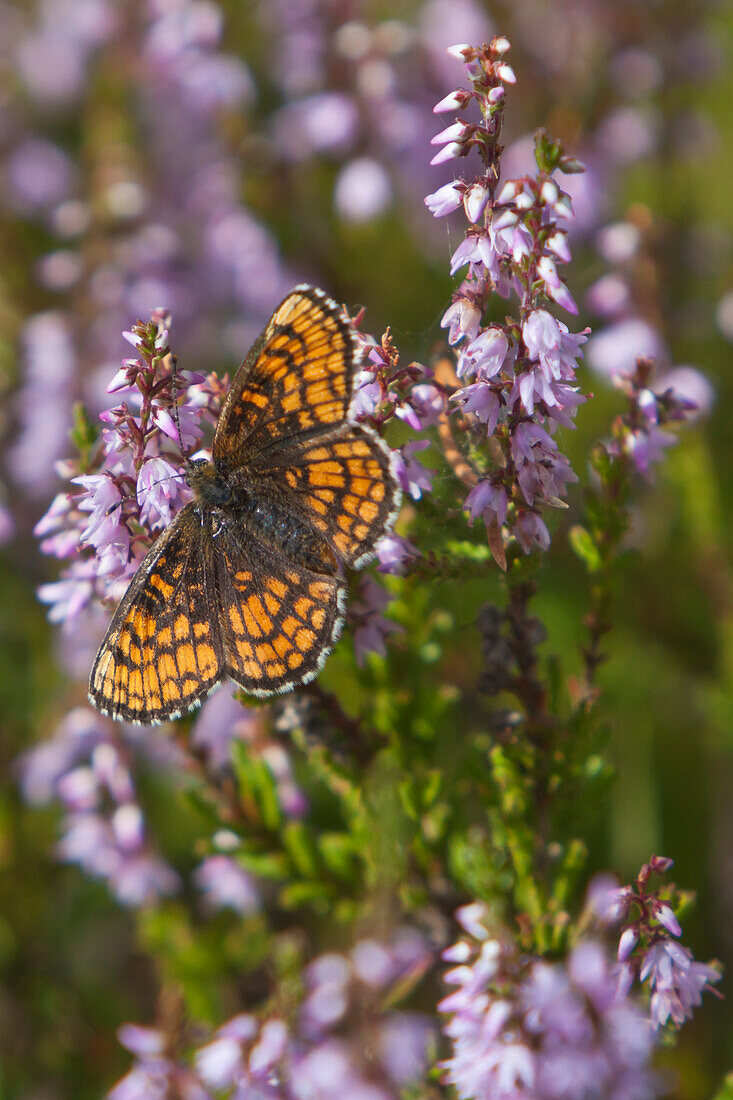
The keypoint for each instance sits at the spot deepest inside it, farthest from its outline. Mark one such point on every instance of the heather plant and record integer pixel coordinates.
(388, 883)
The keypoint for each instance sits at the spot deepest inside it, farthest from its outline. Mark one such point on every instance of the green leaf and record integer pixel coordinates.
(298, 894)
(269, 865)
(257, 784)
(725, 1092)
(408, 798)
(431, 790)
(301, 849)
(340, 853)
(585, 547)
(468, 551)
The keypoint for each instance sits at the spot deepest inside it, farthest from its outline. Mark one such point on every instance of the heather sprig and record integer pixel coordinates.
(516, 382)
(637, 443)
(88, 766)
(521, 1027)
(337, 1039)
(649, 950)
(386, 390)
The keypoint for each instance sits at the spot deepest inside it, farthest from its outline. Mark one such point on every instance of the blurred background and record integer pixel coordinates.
(205, 156)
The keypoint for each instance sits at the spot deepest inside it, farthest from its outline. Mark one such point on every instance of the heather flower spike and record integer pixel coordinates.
(518, 379)
(522, 1027)
(649, 950)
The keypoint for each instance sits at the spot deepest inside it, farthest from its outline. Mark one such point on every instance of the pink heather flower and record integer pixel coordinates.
(677, 981)
(488, 501)
(143, 1041)
(223, 720)
(367, 396)
(513, 245)
(414, 478)
(454, 101)
(220, 1062)
(328, 1072)
(317, 1055)
(462, 318)
(471, 250)
(445, 200)
(153, 1073)
(370, 628)
(647, 951)
(135, 485)
(531, 531)
(428, 402)
(448, 152)
(484, 356)
(226, 885)
(609, 296)
(402, 1044)
(554, 285)
(103, 831)
(690, 385)
(161, 492)
(626, 944)
(549, 341)
(105, 531)
(667, 919)
(482, 402)
(474, 201)
(647, 447)
(67, 598)
(363, 190)
(456, 132)
(394, 552)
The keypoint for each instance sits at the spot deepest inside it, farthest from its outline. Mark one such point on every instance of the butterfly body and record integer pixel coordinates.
(263, 511)
(247, 582)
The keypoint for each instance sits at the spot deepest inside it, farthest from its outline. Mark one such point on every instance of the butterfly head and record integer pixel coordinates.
(208, 484)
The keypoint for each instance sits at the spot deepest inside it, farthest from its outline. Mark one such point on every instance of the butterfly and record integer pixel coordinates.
(247, 582)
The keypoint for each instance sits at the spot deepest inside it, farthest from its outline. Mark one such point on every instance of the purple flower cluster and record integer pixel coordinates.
(385, 390)
(131, 226)
(628, 334)
(226, 885)
(649, 948)
(322, 1052)
(131, 482)
(519, 378)
(524, 1029)
(157, 1071)
(371, 629)
(87, 766)
(639, 435)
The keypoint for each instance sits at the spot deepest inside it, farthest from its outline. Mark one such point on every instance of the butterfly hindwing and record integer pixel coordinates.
(162, 653)
(279, 620)
(296, 382)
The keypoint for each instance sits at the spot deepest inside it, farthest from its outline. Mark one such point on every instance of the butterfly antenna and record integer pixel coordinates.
(174, 384)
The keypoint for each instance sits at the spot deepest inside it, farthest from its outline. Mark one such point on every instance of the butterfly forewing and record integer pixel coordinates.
(295, 383)
(163, 653)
